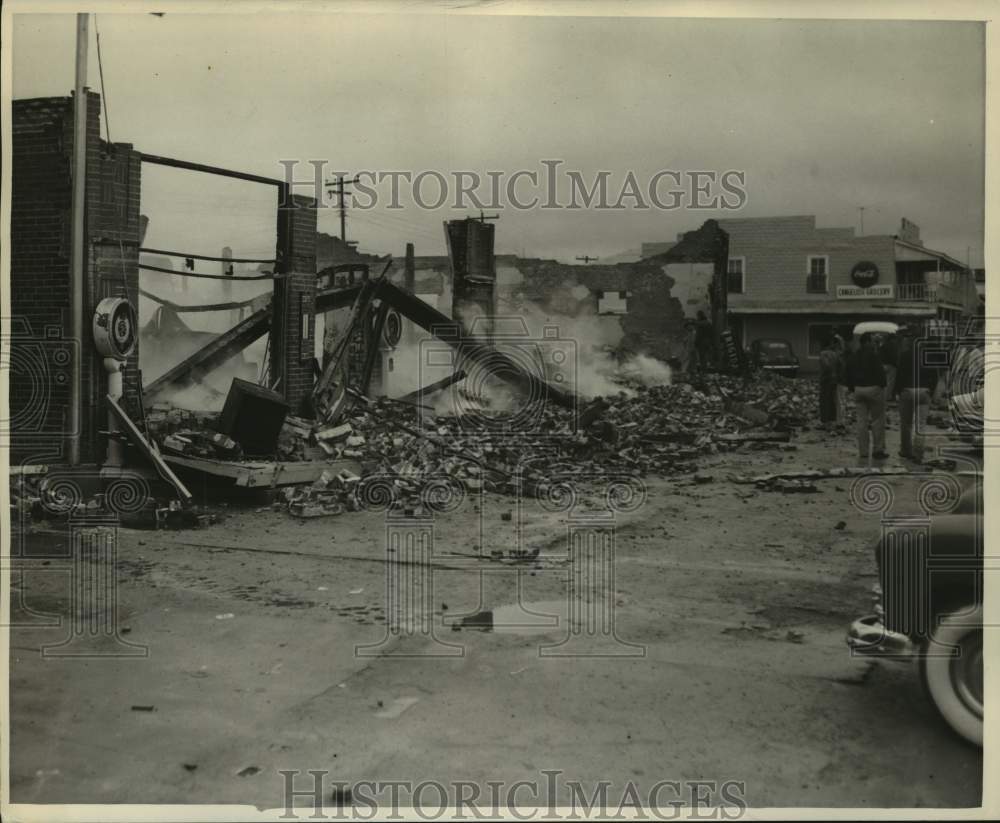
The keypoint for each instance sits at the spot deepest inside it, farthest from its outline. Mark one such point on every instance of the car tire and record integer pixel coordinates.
(954, 683)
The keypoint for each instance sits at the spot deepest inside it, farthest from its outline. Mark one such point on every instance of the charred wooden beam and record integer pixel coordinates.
(208, 358)
(475, 349)
(228, 344)
(430, 388)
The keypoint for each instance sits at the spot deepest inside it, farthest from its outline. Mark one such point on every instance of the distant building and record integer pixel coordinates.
(789, 279)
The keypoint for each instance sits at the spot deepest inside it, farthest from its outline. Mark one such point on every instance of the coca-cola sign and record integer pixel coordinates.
(864, 274)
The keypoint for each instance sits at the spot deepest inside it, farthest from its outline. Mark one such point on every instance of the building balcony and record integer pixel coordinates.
(931, 292)
(919, 292)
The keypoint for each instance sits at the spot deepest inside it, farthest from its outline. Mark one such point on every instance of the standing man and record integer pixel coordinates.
(866, 380)
(889, 352)
(828, 373)
(915, 384)
(704, 341)
(841, 350)
(690, 347)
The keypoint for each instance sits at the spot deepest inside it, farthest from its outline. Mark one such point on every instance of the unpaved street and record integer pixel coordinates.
(736, 598)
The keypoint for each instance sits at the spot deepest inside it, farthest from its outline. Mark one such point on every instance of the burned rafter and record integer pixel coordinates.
(228, 344)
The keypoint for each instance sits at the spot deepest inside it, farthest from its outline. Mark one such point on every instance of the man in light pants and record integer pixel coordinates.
(915, 384)
(866, 379)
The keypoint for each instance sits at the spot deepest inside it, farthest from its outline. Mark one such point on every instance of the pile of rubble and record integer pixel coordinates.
(189, 433)
(660, 430)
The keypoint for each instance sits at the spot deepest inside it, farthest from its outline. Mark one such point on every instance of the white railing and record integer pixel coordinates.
(932, 292)
(916, 291)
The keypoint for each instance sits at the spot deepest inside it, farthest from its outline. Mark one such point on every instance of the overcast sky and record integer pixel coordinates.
(824, 117)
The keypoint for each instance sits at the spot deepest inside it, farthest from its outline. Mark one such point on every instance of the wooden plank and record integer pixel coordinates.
(755, 437)
(209, 357)
(263, 474)
(339, 298)
(374, 340)
(322, 389)
(150, 451)
(430, 388)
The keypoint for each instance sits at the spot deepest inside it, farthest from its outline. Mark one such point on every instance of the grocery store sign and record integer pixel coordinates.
(886, 292)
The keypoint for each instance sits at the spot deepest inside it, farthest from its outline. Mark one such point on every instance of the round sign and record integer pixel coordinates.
(864, 274)
(393, 329)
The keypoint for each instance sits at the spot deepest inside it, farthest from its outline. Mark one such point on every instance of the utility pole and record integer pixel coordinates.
(78, 251)
(587, 258)
(861, 211)
(338, 186)
(409, 269)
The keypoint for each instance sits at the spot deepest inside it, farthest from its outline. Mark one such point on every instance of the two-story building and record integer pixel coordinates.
(789, 279)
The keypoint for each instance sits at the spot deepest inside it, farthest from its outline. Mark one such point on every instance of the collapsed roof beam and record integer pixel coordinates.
(228, 344)
(449, 331)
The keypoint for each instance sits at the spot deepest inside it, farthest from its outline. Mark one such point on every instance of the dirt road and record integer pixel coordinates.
(715, 652)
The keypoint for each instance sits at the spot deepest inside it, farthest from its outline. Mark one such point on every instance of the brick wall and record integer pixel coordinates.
(776, 251)
(292, 352)
(42, 149)
(40, 258)
(294, 298)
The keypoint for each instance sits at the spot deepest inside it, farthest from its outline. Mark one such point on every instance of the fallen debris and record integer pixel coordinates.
(780, 484)
(253, 416)
(820, 474)
(643, 430)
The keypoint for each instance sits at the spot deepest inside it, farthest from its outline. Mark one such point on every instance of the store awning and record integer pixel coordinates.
(846, 307)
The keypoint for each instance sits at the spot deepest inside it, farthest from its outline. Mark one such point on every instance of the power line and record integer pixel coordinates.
(394, 218)
(403, 222)
(100, 71)
(398, 229)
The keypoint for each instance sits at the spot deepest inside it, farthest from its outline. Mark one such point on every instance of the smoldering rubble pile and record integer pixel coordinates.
(659, 430)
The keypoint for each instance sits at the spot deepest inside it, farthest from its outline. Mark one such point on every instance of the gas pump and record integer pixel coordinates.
(114, 330)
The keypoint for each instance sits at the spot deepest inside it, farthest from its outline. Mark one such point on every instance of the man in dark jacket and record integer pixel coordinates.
(866, 380)
(889, 353)
(829, 368)
(915, 384)
(704, 341)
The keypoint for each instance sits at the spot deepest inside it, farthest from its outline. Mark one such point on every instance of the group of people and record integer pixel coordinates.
(874, 375)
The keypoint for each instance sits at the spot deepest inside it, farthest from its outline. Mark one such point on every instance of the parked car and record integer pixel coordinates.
(773, 354)
(929, 608)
